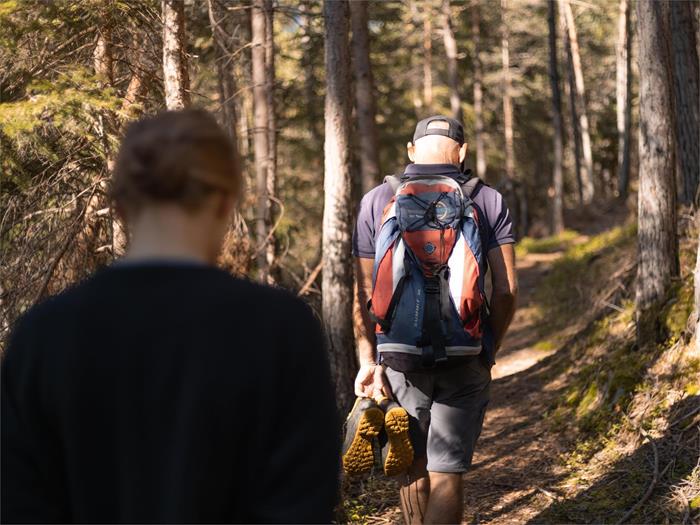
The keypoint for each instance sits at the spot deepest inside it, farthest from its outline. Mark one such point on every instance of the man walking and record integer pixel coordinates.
(422, 245)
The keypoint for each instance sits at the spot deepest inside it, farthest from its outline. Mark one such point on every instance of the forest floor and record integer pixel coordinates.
(543, 427)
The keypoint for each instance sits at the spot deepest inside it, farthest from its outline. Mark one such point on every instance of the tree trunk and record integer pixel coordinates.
(364, 97)
(686, 84)
(478, 92)
(307, 60)
(428, 59)
(658, 246)
(696, 278)
(588, 188)
(574, 129)
(235, 255)
(337, 221)
(507, 103)
(513, 187)
(557, 124)
(417, 60)
(145, 63)
(176, 81)
(103, 61)
(224, 68)
(260, 135)
(271, 247)
(624, 99)
(452, 66)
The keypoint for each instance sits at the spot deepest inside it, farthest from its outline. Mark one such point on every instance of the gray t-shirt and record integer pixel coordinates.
(498, 228)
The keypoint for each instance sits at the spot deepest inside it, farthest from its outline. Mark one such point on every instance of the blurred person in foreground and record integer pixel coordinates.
(163, 389)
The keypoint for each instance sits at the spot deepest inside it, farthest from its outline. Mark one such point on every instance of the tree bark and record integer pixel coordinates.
(103, 62)
(623, 95)
(573, 130)
(658, 246)
(271, 247)
(686, 84)
(337, 222)
(513, 186)
(261, 137)
(507, 102)
(478, 92)
(417, 25)
(588, 188)
(235, 255)
(224, 67)
(557, 124)
(144, 64)
(364, 97)
(314, 119)
(428, 59)
(102, 56)
(452, 65)
(176, 82)
(696, 279)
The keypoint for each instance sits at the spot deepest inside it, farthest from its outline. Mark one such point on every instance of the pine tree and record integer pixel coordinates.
(557, 224)
(175, 75)
(364, 97)
(624, 99)
(337, 283)
(658, 246)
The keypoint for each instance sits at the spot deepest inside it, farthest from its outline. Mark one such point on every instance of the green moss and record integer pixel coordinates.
(675, 314)
(695, 502)
(545, 345)
(567, 291)
(550, 244)
(589, 401)
(7, 7)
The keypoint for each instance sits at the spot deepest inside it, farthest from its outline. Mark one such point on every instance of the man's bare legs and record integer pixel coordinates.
(431, 497)
(445, 500)
(415, 489)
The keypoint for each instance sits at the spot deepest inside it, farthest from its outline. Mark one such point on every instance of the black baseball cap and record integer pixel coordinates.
(455, 131)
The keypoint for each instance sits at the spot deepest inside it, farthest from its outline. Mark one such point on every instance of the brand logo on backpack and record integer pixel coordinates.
(428, 294)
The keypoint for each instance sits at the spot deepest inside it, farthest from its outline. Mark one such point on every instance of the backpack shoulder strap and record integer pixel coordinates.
(394, 181)
(469, 187)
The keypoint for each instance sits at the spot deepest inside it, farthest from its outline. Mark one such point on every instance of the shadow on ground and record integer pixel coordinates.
(673, 456)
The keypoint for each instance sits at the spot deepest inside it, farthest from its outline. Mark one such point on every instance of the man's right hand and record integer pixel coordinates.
(371, 382)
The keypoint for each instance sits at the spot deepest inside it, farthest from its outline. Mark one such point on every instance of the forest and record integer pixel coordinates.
(583, 114)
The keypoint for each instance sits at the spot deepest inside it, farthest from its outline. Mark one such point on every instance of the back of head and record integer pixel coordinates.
(175, 157)
(438, 140)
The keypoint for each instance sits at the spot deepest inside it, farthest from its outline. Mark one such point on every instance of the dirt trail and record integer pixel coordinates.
(515, 464)
(516, 458)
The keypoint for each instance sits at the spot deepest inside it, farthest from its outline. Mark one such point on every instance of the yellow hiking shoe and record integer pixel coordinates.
(397, 453)
(362, 427)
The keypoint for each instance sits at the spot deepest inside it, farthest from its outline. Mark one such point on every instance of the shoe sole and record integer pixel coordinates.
(400, 454)
(359, 459)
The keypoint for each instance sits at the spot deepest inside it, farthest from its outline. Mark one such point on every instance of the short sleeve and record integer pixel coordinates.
(500, 221)
(363, 235)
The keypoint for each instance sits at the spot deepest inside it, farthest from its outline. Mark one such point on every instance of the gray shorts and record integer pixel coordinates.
(446, 407)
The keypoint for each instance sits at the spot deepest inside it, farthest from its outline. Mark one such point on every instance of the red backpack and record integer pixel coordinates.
(428, 298)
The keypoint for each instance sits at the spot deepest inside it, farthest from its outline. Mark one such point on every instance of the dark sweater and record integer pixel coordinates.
(165, 393)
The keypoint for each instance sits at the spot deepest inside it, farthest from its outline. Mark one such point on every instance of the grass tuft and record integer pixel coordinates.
(550, 244)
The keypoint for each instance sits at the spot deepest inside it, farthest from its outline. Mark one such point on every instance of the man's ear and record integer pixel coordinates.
(411, 149)
(463, 152)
